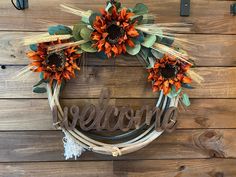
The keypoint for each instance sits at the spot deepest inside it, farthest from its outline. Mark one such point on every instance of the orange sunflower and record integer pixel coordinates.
(56, 66)
(114, 31)
(168, 72)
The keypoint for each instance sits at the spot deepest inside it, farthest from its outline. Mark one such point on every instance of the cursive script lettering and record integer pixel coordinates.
(108, 117)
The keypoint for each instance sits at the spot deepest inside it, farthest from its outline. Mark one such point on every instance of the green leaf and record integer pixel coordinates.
(185, 100)
(135, 41)
(109, 5)
(87, 47)
(102, 55)
(140, 38)
(159, 34)
(76, 30)
(137, 18)
(39, 83)
(151, 62)
(187, 86)
(41, 75)
(167, 41)
(59, 30)
(140, 9)
(149, 40)
(34, 47)
(117, 4)
(79, 51)
(85, 33)
(148, 19)
(86, 19)
(145, 53)
(133, 50)
(92, 17)
(129, 10)
(39, 90)
(173, 93)
(156, 54)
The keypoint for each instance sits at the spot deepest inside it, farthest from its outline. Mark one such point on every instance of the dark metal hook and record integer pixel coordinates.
(233, 9)
(20, 4)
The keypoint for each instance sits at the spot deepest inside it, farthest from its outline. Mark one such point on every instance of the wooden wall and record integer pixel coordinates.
(204, 144)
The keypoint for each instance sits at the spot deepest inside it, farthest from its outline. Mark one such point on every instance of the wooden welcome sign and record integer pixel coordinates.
(108, 117)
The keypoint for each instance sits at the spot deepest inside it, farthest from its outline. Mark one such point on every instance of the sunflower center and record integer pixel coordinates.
(56, 60)
(114, 33)
(169, 71)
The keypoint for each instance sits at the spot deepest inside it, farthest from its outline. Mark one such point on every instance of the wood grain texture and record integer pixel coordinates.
(206, 16)
(29, 146)
(48, 146)
(209, 50)
(34, 114)
(123, 82)
(150, 168)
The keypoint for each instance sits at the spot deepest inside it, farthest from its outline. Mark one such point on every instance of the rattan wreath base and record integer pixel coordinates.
(89, 142)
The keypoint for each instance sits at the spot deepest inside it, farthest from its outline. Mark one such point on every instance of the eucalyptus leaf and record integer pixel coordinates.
(159, 34)
(137, 18)
(148, 19)
(117, 4)
(76, 30)
(135, 41)
(151, 62)
(167, 41)
(92, 17)
(59, 30)
(173, 93)
(34, 47)
(79, 51)
(140, 37)
(149, 40)
(85, 33)
(140, 9)
(109, 5)
(101, 55)
(129, 10)
(87, 47)
(39, 90)
(156, 54)
(86, 19)
(133, 50)
(187, 86)
(145, 52)
(39, 83)
(185, 100)
(41, 75)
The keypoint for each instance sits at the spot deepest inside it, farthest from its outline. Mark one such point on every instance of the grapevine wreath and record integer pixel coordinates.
(115, 30)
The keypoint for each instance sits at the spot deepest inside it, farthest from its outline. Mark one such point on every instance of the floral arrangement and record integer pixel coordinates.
(115, 30)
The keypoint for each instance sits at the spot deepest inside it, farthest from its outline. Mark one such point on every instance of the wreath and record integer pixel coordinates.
(114, 31)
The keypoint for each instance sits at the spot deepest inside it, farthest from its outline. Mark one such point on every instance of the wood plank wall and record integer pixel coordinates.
(204, 143)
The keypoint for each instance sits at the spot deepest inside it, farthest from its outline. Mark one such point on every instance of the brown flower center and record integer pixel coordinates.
(168, 71)
(56, 60)
(114, 33)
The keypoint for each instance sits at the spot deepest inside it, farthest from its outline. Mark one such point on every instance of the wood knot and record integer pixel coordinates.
(202, 121)
(182, 168)
(219, 174)
(211, 142)
(210, 134)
